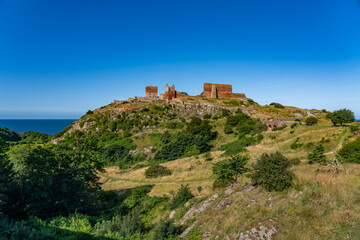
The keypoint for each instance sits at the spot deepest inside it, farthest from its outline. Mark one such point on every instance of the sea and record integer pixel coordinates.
(48, 126)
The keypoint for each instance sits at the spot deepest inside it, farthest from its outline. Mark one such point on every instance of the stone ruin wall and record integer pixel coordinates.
(217, 90)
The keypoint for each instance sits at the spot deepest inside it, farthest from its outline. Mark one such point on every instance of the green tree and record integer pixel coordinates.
(311, 121)
(56, 180)
(342, 116)
(317, 156)
(181, 197)
(271, 172)
(231, 168)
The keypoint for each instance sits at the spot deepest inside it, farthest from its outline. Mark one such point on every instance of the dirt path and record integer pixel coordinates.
(343, 136)
(114, 179)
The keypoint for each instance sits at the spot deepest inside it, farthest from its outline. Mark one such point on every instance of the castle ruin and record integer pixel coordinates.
(151, 92)
(211, 90)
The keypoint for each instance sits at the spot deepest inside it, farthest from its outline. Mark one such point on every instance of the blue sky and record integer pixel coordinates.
(60, 58)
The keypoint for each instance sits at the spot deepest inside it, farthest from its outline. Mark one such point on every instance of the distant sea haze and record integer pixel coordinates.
(49, 126)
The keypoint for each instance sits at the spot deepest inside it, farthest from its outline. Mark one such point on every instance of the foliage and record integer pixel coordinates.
(200, 127)
(317, 156)
(222, 183)
(116, 154)
(177, 148)
(277, 105)
(231, 168)
(342, 116)
(354, 128)
(271, 172)
(311, 121)
(8, 135)
(279, 128)
(238, 146)
(166, 229)
(158, 170)
(182, 196)
(296, 144)
(350, 152)
(89, 112)
(54, 181)
(34, 137)
(243, 124)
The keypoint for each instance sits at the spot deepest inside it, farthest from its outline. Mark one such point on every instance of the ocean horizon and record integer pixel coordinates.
(48, 126)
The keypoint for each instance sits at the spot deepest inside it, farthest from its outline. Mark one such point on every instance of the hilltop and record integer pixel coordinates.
(154, 160)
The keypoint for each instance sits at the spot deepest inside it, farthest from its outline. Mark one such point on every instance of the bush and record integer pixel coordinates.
(222, 183)
(166, 229)
(182, 196)
(279, 128)
(277, 105)
(350, 152)
(177, 148)
(311, 121)
(228, 129)
(8, 135)
(238, 146)
(296, 144)
(354, 128)
(157, 171)
(207, 116)
(231, 168)
(293, 125)
(225, 112)
(271, 172)
(208, 156)
(317, 156)
(116, 154)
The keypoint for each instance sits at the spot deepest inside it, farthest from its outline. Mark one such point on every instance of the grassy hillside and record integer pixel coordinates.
(121, 141)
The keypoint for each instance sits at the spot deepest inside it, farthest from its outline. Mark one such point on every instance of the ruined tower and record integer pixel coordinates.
(151, 92)
(212, 90)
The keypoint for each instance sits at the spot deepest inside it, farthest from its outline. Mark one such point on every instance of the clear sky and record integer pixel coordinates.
(60, 58)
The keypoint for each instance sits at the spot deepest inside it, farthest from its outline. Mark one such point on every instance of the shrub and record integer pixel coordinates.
(182, 196)
(271, 172)
(293, 125)
(279, 128)
(89, 112)
(311, 121)
(277, 105)
(228, 129)
(155, 171)
(176, 148)
(296, 144)
(192, 150)
(317, 156)
(222, 183)
(8, 135)
(116, 154)
(208, 156)
(225, 112)
(165, 229)
(231, 168)
(354, 128)
(350, 152)
(207, 116)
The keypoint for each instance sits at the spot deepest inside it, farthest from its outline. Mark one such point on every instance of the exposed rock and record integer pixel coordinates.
(172, 214)
(260, 233)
